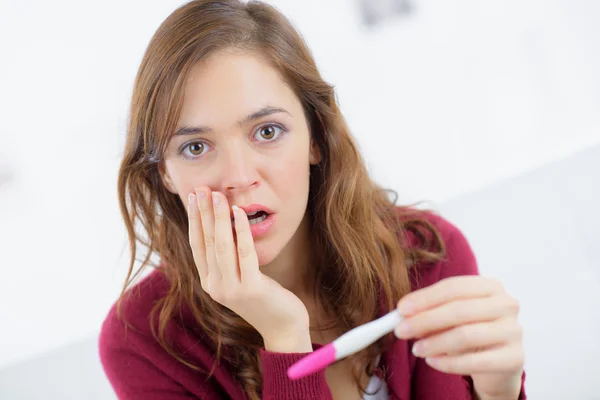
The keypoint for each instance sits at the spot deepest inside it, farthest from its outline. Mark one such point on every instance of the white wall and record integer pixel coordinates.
(481, 90)
(539, 233)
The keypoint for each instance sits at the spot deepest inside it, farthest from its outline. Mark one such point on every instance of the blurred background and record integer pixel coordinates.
(486, 110)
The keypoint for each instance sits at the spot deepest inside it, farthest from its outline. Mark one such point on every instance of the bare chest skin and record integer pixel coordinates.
(339, 375)
(340, 381)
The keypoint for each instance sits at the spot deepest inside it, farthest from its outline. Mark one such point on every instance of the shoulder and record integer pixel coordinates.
(459, 258)
(128, 320)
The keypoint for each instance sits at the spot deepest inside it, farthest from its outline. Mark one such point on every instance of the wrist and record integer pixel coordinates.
(298, 342)
(512, 390)
(505, 397)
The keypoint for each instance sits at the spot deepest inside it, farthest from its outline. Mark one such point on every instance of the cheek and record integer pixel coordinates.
(293, 175)
(183, 179)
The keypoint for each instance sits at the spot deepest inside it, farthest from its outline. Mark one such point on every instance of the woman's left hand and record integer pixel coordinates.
(467, 325)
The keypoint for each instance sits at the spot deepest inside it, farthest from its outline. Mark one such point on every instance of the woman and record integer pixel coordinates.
(243, 177)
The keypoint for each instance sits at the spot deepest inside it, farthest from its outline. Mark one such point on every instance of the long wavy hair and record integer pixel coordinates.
(358, 231)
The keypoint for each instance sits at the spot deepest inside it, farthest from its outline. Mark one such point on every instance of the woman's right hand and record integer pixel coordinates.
(230, 274)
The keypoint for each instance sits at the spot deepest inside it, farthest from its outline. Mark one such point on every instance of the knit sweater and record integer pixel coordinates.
(140, 369)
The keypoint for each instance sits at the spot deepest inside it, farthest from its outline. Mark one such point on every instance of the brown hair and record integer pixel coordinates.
(356, 226)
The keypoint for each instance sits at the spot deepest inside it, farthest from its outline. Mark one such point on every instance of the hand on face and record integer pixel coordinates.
(229, 272)
(467, 325)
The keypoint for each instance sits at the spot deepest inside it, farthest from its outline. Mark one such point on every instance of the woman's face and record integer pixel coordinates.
(243, 132)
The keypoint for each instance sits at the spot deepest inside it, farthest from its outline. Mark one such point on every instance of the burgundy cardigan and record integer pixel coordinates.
(140, 369)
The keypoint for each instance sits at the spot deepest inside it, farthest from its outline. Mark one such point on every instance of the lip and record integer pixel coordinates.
(252, 208)
(258, 230)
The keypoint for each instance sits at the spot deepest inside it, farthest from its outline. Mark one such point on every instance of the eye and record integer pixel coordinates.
(268, 133)
(194, 149)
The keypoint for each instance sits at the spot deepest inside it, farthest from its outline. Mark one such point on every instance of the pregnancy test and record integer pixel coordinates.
(349, 343)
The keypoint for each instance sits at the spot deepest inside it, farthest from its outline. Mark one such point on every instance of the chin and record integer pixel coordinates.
(266, 254)
(270, 248)
(276, 242)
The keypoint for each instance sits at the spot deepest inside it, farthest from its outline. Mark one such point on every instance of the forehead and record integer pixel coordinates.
(232, 83)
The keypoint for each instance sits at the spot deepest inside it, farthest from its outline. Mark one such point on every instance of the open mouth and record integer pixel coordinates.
(257, 217)
(260, 217)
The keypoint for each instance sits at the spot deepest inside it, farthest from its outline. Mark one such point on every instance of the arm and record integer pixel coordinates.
(137, 370)
(134, 377)
(276, 384)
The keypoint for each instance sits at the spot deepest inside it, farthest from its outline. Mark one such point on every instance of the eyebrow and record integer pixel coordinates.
(263, 112)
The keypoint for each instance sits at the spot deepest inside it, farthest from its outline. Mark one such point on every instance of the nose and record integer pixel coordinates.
(238, 172)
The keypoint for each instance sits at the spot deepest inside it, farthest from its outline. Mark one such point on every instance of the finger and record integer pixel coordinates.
(247, 257)
(469, 337)
(196, 237)
(458, 287)
(224, 247)
(507, 358)
(208, 228)
(456, 313)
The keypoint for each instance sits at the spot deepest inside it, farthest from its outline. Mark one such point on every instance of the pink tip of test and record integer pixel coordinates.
(315, 361)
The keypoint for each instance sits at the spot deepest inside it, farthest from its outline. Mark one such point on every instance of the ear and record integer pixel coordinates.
(166, 178)
(315, 153)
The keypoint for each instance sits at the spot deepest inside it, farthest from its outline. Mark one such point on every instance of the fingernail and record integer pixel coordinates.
(406, 308)
(431, 361)
(191, 199)
(216, 198)
(236, 209)
(417, 349)
(403, 330)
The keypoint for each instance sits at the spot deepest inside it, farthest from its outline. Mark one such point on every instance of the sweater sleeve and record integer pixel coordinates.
(133, 375)
(138, 370)
(135, 378)
(428, 383)
(277, 385)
